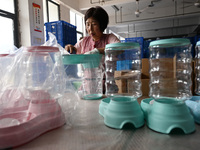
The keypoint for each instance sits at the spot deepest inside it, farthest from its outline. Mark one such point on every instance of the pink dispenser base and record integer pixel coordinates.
(41, 116)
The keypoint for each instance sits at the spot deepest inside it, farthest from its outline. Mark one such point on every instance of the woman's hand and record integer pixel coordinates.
(96, 50)
(70, 48)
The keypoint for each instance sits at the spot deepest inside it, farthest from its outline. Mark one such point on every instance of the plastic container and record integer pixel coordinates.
(5, 61)
(42, 66)
(197, 68)
(123, 80)
(170, 69)
(32, 85)
(9, 82)
(85, 73)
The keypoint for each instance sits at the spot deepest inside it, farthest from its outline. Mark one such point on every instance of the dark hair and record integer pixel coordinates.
(100, 15)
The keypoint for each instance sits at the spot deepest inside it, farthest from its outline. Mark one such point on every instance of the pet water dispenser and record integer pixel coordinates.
(197, 68)
(123, 86)
(37, 84)
(170, 85)
(85, 73)
(194, 102)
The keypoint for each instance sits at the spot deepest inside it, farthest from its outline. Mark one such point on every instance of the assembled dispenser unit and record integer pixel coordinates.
(170, 85)
(29, 96)
(123, 86)
(88, 75)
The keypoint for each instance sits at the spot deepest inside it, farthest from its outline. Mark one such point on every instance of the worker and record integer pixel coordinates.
(96, 21)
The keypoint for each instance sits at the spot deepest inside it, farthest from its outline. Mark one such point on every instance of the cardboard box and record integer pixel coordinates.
(121, 79)
(145, 87)
(145, 68)
(167, 65)
(145, 77)
(122, 86)
(120, 82)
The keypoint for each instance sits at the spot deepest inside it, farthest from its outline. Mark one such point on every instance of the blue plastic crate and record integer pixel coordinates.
(65, 32)
(193, 41)
(139, 40)
(146, 48)
(123, 41)
(124, 65)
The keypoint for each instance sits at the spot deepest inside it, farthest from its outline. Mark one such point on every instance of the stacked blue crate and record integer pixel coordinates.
(146, 48)
(193, 41)
(139, 40)
(125, 61)
(65, 32)
(124, 65)
(127, 64)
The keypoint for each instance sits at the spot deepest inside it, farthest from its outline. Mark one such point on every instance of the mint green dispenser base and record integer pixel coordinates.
(164, 115)
(120, 111)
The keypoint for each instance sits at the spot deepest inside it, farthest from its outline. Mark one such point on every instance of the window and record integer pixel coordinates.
(73, 18)
(9, 23)
(53, 11)
(77, 21)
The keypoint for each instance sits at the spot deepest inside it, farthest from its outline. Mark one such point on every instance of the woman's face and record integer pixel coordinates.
(93, 29)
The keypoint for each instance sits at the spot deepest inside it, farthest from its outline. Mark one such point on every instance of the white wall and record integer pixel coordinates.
(24, 23)
(26, 26)
(64, 13)
(29, 36)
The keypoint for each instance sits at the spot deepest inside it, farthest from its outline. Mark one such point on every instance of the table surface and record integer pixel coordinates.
(85, 130)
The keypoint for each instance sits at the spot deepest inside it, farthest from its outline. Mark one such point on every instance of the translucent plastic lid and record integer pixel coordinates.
(3, 55)
(170, 42)
(120, 46)
(198, 43)
(42, 49)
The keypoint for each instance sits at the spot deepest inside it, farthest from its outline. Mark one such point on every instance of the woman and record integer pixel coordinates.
(96, 21)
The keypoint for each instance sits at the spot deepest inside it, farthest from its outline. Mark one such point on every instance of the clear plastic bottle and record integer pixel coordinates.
(197, 68)
(170, 69)
(123, 70)
(43, 72)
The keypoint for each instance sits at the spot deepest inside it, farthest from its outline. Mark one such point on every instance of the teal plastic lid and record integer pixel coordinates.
(198, 43)
(88, 60)
(122, 46)
(170, 42)
(92, 60)
(73, 59)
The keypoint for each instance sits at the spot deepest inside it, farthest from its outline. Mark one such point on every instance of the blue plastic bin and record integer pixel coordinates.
(139, 40)
(65, 32)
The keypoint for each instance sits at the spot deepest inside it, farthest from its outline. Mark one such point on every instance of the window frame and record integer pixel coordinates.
(14, 17)
(47, 5)
(77, 32)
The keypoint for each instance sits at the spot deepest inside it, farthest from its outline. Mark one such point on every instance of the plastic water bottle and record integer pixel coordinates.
(123, 70)
(197, 68)
(170, 69)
